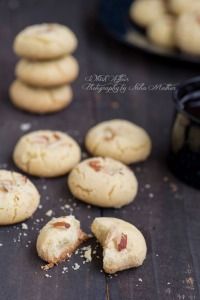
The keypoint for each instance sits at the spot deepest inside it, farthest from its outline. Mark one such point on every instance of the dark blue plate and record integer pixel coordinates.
(114, 16)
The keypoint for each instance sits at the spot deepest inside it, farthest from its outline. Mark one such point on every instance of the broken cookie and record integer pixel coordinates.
(58, 239)
(123, 244)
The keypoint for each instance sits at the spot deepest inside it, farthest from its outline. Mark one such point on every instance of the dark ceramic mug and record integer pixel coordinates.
(184, 158)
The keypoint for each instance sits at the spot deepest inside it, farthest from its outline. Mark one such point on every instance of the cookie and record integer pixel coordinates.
(119, 139)
(40, 100)
(161, 32)
(123, 244)
(103, 182)
(58, 239)
(47, 73)
(188, 33)
(46, 153)
(179, 7)
(19, 198)
(145, 12)
(45, 41)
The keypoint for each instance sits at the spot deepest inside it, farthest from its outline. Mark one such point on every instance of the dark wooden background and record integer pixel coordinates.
(167, 213)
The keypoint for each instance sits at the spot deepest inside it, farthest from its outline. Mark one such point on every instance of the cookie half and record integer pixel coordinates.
(19, 198)
(58, 239)
(45, 41)
(40, 100)
(103, 182)
(123, 244)
(46, 153)
(47, 73)
(119, 139)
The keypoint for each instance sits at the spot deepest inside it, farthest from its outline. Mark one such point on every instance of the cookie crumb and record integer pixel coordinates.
(151, 195)
(24, 226)
(49, 213)
(88, 254)
(25, 126)
(165, 179)
(64, 270)
(147, 186)
(76, 267)
(47, 275)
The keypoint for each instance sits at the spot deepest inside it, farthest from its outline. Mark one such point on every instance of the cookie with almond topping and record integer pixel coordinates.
(46, 153)
(19, 198)
(123, 244)
(58, 239)
(40, 100)
(103, 182)
(45, 41)
(119, 139)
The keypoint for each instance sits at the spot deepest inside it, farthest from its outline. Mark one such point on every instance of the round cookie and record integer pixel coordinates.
(46, 153)
(188, 33)
(119, 139)
(45, 41)
(58, 239)
(40, 100)
(47, 73)
(179, 7)
(19, 198)
(161, 32)
(145, 12)
(103, 182)
(123, 244)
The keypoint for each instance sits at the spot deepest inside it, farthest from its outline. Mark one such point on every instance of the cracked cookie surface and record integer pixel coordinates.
(119, 139)
(46, 153)
(123, 244)
(19, 198)
(103, 182)
(58, 239)
(47, 73)
(45, 41)
(40, 100)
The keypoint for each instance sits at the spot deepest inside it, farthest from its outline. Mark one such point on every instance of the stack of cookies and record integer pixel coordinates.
(46, 68)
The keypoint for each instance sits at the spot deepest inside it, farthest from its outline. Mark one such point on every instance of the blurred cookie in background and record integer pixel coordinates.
(188, 33)
(145, 12)
(40, 100)
(45, 41)
(47, 73)
(46, 68)
(161, 31)
(179, 7)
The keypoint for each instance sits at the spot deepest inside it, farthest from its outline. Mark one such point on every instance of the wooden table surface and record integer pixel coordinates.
(166, 210)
